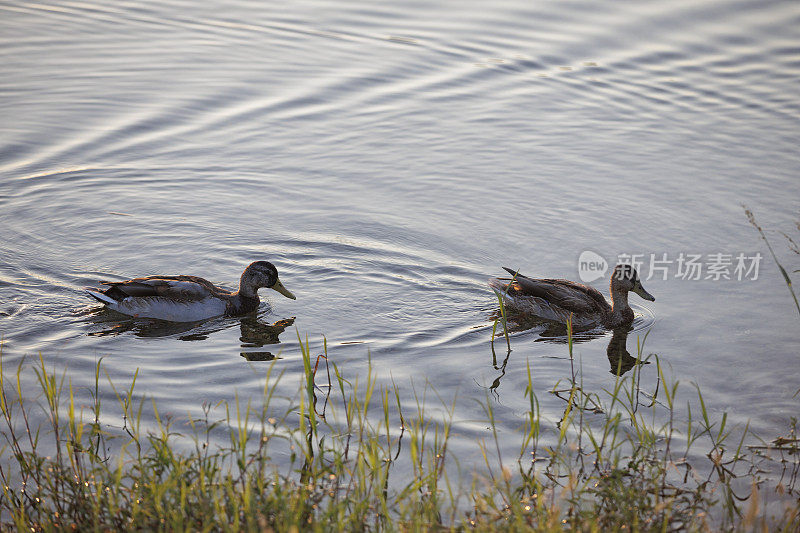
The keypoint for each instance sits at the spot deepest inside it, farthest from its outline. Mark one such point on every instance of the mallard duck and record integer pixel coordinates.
(188, 298)
(557, 299)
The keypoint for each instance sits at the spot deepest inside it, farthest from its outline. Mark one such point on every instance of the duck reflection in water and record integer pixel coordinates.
(254, 332)
(619, 358)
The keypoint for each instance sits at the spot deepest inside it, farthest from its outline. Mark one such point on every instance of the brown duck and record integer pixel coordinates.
(558, 299)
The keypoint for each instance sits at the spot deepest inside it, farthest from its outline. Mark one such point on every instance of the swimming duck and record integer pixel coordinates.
(557, 299)
(188, 298)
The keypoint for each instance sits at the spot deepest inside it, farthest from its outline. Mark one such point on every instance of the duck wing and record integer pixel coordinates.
(184, 288)
(569, 295)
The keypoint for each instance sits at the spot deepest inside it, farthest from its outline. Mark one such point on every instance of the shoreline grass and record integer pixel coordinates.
(792, 246)
(616, 460)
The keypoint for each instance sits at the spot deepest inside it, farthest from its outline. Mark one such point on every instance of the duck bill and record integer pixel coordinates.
(638, 289)
(283, 290)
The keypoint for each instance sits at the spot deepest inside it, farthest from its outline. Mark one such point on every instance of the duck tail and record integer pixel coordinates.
(513, 272)
(100, 296)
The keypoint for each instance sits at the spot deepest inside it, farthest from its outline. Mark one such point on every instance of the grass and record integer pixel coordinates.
(792, 245)
(354, 458)
(502, 318)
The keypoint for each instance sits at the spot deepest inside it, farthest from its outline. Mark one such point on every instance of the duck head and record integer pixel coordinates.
(262, 274)
(625, 278)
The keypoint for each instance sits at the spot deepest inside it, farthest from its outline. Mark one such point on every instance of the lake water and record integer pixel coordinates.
(388, 158)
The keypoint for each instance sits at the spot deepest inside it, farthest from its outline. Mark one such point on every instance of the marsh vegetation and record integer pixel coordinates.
(361, 460)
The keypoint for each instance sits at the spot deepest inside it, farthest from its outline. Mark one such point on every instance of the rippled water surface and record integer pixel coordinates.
(389, 158)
